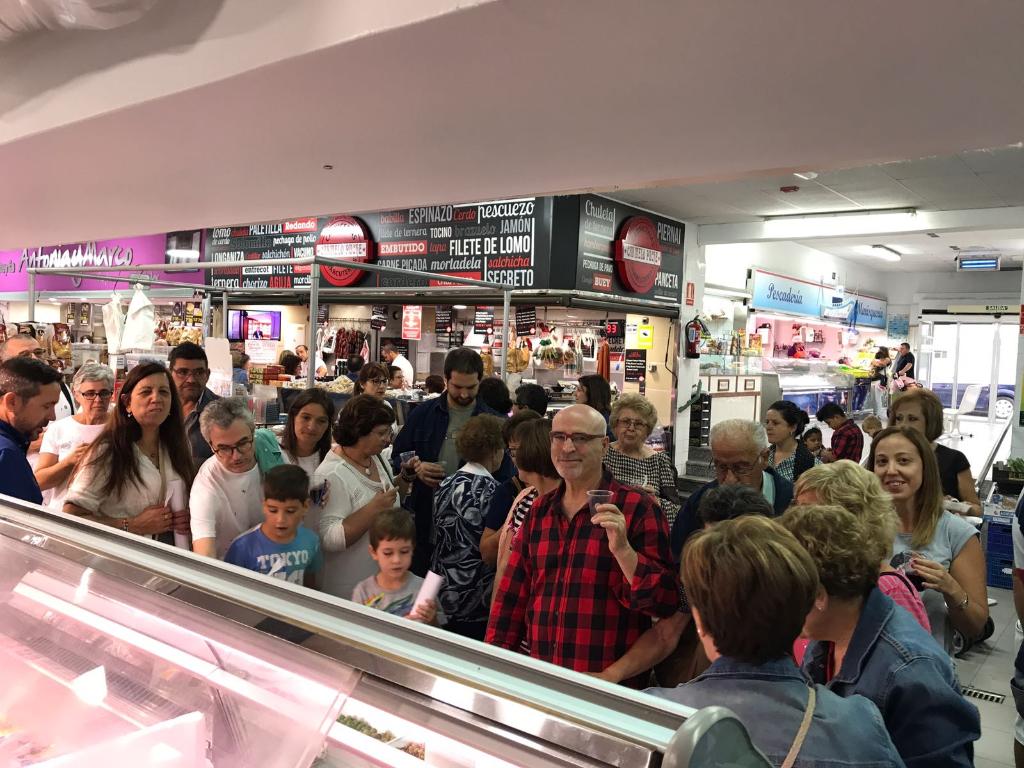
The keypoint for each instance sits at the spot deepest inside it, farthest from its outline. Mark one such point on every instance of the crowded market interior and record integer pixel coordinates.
(691, 457)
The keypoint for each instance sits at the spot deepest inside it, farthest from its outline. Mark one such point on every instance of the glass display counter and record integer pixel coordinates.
(119, 651)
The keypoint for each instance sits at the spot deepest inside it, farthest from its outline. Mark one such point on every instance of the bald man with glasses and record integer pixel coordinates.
(586, 576)
(739, 456)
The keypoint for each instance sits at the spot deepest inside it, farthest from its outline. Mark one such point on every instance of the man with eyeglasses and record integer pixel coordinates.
(190, 370)
(227, 494)
(739, 456)
(585, 579)
(430, 430)
(26, 345)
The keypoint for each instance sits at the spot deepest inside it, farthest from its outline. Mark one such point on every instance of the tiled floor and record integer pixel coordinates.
(988, 666)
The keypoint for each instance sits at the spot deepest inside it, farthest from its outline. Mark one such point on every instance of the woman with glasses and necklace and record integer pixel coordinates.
(127, 478)
(632, 462)
(352, 486)
(67, 440)
(227, 496)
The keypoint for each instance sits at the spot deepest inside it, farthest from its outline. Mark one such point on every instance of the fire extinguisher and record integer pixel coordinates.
(693, 331)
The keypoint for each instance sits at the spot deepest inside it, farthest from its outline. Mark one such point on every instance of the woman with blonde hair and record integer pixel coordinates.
(853, 488)
(866, 646)
(750, 586)
(934, 546)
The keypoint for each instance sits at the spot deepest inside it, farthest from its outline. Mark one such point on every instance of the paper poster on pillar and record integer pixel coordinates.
(412, 322)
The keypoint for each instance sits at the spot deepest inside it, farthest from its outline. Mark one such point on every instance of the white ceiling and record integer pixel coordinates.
(923, 253)
(507, 98)
(990, 178)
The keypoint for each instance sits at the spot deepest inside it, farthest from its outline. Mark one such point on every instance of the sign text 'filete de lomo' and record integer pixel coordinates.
(503, 241)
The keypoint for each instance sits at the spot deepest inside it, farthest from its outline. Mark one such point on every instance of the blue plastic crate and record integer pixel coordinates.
(1000, 571)
(1000, 539)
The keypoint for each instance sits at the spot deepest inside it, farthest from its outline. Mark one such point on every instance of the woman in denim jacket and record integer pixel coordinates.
(867, 645)
(750, 585)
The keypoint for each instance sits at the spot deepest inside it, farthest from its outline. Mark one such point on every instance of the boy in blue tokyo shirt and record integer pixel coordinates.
(280, 547)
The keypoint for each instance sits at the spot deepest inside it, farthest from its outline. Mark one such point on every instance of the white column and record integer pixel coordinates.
(688, 370)
(1017, 430)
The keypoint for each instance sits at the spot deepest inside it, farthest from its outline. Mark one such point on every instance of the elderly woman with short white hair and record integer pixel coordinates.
(227, 495)
(632, 462)
(67, 440)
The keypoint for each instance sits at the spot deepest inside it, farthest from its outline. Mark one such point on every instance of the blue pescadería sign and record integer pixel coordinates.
(801, 297)
(786, 294)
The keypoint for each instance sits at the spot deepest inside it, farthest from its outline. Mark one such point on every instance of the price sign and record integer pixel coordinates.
(636, 365)
(443, 321)
(526, 321)
(378, 317)
(483, 320)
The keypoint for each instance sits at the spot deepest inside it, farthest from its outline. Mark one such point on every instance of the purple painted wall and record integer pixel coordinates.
(149, 249)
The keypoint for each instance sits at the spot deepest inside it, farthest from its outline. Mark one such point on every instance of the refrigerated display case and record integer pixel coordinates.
(811, 383)
(119, 651)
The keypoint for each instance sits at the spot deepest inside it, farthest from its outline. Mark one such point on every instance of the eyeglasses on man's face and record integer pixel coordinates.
(189, 373)
(241, 447)
(740, 469)
(576, 438)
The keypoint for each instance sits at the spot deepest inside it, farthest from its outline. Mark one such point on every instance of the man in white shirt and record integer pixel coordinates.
(227, 494)
(393, 357)
(303, 352)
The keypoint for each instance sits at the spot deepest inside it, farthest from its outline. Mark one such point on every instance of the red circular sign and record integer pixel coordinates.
(638, 254)
(347, 238)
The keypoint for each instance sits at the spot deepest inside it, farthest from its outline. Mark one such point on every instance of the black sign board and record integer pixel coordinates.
(250, 244)
(378, 316)
(506, 241)
(323, 312)
(526, 321)
(600, 223)
(400, 344)
(636, 364)
(483, 320)
(443, 320)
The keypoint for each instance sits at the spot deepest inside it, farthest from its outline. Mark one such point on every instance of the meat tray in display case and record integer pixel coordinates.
(117, 651)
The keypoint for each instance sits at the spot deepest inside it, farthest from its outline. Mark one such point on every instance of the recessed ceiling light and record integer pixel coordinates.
(806, 175)
(328, 167)
(458, 306)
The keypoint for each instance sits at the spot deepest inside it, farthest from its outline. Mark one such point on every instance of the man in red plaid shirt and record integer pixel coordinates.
(582, 585)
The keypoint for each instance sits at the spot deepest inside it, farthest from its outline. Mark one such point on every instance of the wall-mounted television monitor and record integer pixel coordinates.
(253, 324)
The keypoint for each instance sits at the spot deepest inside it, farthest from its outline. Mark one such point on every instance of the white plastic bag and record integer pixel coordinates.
(113, 323)
(140, 323)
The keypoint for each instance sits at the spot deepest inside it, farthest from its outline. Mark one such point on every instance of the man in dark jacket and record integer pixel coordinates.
(739, 455)
(430, 431)
(190, 370)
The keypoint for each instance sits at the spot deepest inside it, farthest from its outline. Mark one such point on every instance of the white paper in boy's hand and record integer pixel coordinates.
(177, 500)
(429, 589)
